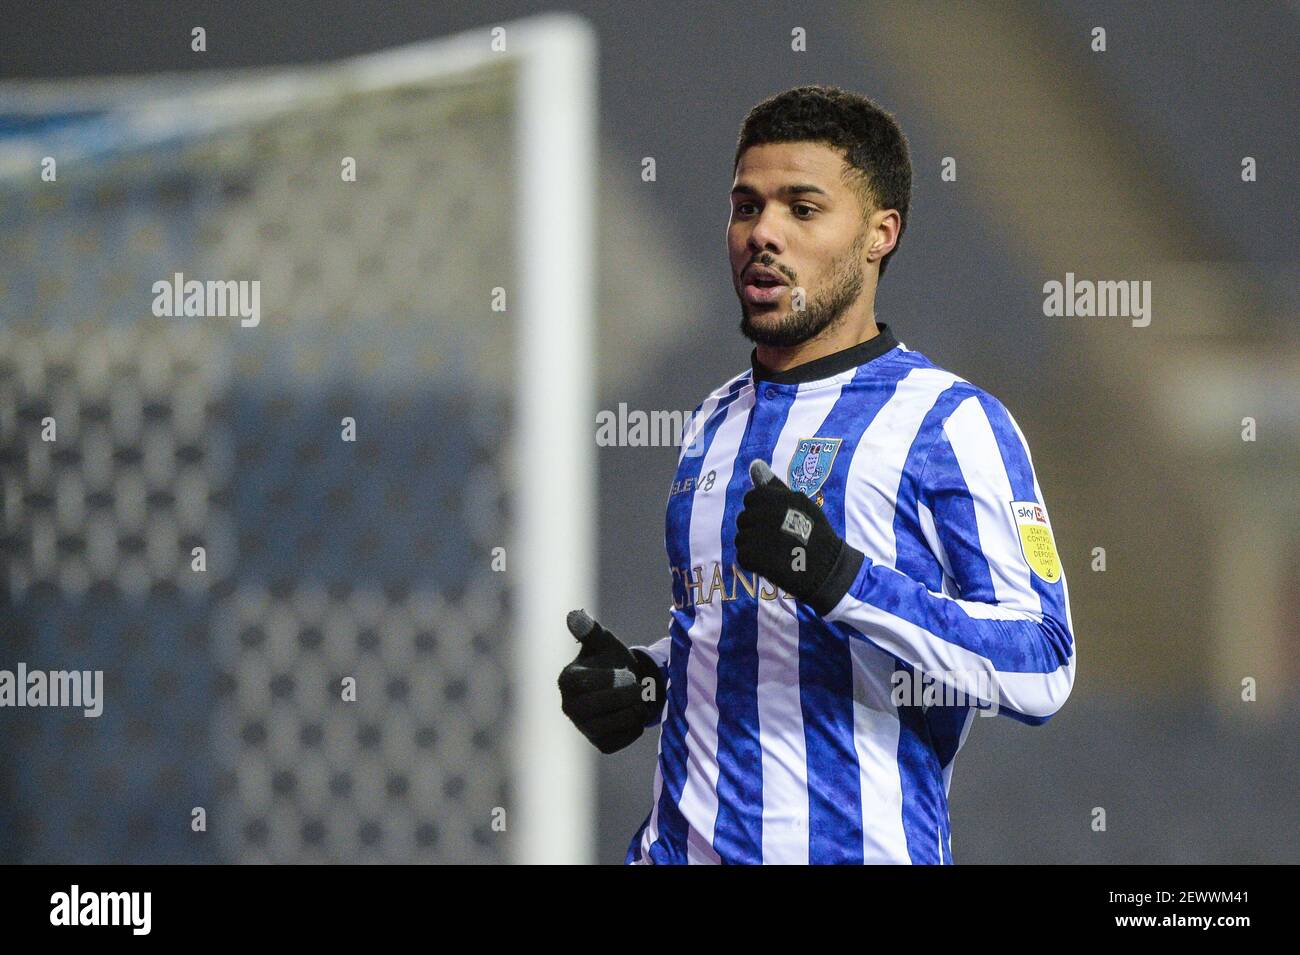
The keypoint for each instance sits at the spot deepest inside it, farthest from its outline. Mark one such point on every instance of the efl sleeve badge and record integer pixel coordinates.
(1036, 541)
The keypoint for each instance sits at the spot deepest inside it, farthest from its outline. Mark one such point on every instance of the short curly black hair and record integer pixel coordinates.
(872, 143)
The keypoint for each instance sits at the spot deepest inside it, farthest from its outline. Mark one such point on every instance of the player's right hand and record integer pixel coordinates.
(601, 690)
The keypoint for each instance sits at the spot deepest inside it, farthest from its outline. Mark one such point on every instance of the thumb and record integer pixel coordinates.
(581, 625)
(599, 646)
(762, 475)
(594, 638)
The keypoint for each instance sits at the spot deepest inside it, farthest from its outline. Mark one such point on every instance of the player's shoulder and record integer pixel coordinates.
(944, 392)
(713, 407)
(923, 381)
(726, 392)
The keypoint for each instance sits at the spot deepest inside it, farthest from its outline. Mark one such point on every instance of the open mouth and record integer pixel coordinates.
(762, 290)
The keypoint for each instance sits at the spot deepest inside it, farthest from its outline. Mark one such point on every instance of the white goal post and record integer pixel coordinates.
(557, 190)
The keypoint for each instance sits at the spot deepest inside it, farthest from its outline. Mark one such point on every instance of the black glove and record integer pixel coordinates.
(603, 690)
(783, 535)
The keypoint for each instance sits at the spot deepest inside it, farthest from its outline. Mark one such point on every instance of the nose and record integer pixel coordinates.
(764, 237)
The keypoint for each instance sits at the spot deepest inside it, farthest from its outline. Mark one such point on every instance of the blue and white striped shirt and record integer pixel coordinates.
(784, 736)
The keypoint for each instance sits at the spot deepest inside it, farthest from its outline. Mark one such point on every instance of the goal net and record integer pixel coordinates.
(299, 518)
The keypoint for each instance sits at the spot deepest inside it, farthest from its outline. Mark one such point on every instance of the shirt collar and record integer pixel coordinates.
(828, 366)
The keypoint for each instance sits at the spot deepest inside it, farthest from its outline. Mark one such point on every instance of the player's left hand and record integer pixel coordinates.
(783, 536)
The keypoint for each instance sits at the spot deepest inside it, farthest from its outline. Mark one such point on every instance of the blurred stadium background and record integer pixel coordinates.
(371, 559)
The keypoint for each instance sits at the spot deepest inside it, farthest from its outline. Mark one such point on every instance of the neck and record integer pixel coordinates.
(843, 334)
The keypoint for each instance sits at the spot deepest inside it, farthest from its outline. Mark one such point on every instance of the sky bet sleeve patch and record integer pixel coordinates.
(1036, 540)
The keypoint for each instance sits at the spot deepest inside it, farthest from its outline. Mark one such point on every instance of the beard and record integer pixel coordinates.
(820, 313)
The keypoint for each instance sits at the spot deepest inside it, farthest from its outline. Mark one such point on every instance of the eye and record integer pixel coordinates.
(804, 205)
(741, 207)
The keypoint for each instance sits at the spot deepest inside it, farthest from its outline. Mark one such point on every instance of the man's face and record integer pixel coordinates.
(792, 212)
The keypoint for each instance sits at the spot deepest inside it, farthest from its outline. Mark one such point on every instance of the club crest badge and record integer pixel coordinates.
(810, 465)
(1036, 541)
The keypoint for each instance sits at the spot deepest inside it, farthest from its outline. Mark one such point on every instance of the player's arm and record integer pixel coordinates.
(1008, 627)
(610, 691)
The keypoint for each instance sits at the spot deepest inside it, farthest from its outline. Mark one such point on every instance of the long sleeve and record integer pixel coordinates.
(1002, 633)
